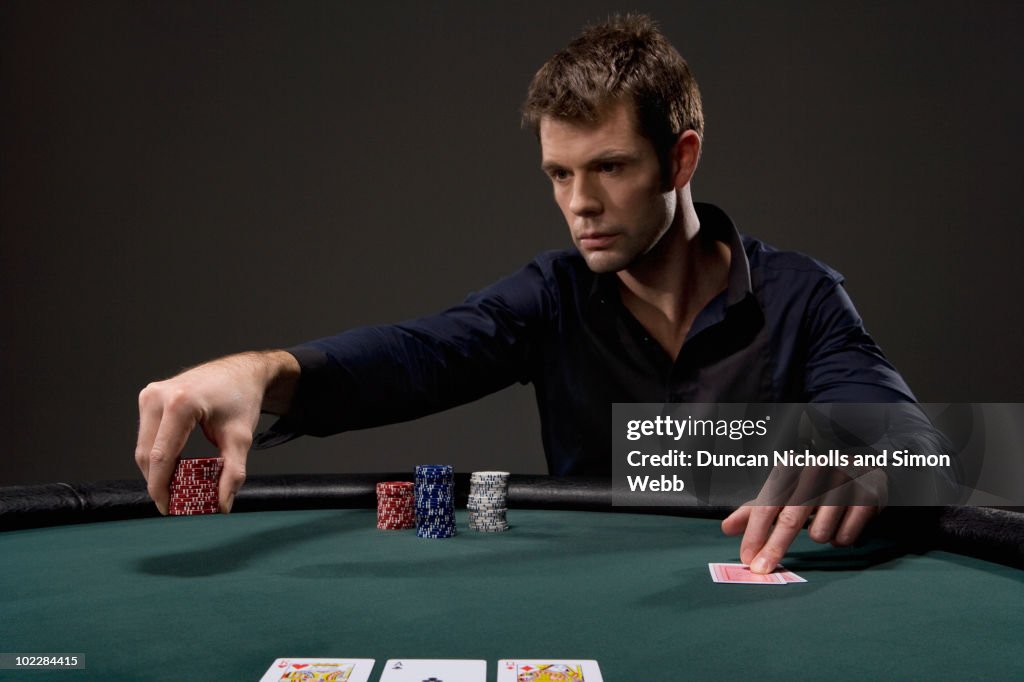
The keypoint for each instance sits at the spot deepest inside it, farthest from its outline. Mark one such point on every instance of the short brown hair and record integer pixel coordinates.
(627, 56)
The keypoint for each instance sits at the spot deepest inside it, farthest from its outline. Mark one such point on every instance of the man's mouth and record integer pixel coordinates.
(596, 240)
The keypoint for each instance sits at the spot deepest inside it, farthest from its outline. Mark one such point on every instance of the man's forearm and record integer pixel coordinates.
(281, 375)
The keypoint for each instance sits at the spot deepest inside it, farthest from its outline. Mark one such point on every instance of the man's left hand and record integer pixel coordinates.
(769, 531)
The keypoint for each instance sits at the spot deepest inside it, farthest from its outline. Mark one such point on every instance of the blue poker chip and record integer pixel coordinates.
(436, 499)
(436, 530)
(435, 496)
(423, 488)
(437, 513)
(434, 472)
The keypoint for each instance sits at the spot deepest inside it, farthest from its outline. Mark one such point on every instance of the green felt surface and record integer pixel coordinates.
(220, 597)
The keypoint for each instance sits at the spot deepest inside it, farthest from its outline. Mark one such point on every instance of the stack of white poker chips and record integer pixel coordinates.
(488, 501)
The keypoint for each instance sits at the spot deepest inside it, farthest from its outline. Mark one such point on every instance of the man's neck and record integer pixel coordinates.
(674, 281)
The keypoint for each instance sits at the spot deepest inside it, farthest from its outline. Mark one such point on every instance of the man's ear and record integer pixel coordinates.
(685, 155)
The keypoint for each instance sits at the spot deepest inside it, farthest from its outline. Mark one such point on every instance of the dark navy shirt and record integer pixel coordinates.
(784, 330)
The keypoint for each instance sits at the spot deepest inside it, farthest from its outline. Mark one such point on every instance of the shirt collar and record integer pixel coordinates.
(716, 225)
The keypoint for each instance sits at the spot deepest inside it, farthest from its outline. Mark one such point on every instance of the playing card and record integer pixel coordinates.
(434, 670)
(789, 576)
(551, 670)
(315, 669)
(741, 573)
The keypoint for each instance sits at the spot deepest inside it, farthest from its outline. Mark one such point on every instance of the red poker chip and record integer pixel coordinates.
(198, 471)
(394, 485)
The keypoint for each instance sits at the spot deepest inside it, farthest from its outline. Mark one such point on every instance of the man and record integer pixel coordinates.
(660, 301)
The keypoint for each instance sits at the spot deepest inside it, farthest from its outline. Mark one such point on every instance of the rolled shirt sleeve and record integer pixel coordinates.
(379, 375)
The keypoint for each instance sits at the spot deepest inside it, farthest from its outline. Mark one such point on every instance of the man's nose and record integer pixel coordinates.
(586, 198)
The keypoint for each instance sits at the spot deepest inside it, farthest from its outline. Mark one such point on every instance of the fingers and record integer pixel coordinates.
(764, 545)
(825, 524)
(177, 419)
(234, 446)
(736, 523)
(853, 525)
(150, 411)
(757, 531)
(840, 526)
(768, 532)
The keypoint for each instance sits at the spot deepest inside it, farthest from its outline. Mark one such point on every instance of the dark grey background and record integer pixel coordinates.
(182, 180)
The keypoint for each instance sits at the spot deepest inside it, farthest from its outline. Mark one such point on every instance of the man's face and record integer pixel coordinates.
(608, 183)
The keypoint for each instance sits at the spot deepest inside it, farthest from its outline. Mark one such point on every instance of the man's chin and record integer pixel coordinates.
(603, 261)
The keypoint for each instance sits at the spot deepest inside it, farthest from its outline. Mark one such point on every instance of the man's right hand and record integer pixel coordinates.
(224, 397)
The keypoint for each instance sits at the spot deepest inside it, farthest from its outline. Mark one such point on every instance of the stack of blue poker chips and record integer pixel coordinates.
(435, 501)
(487, 505)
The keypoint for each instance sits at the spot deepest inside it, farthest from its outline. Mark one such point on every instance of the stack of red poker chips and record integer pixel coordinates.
(195, 486)
(395, 505)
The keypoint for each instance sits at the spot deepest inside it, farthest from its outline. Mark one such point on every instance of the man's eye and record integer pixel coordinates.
(559, 175)
(610, 167)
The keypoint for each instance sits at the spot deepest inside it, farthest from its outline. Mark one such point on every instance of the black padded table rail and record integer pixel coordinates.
(992, 534)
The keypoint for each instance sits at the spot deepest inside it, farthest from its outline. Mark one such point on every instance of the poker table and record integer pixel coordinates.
(300, 570)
